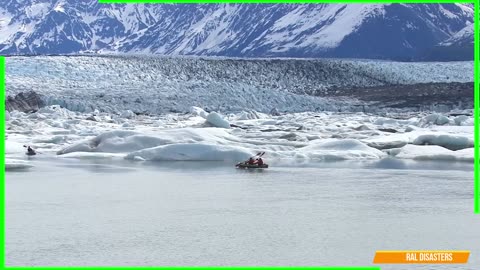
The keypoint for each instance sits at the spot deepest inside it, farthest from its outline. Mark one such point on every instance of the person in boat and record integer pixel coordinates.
(259, 161)
(30, 151)
(251, 161)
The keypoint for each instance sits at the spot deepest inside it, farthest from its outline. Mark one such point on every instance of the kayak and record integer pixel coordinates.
(251, 166)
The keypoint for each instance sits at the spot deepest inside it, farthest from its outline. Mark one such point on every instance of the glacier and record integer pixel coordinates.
(153, 85)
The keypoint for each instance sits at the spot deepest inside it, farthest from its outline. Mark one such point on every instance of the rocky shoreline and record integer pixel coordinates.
(24, 102)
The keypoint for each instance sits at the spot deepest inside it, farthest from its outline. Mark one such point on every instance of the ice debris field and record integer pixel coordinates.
(294, 138)
(200, 109)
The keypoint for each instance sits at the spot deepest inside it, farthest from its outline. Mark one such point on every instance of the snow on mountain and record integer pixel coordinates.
(461, 38)
(328, 28)
(457, 47)
(238, 30)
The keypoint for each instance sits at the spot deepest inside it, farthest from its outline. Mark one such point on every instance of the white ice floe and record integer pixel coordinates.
(118, 141)
(127, 114)
(334, 149)
(451, 142)
(124, 141)
(437, 119)
(217, 120)
(387, 144)
(249, 115)
(307, 136)
(54, 112)
(463, 120)
(198, 111)
(192, 152)
(390, 122)
(214, 119)
(432, 152)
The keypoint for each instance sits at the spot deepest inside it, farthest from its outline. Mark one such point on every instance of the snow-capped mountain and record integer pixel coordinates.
(241, 30)
(461, 38)
(458, 47)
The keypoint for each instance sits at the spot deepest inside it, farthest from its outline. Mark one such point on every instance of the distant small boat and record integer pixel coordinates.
(30, 151)
(244, 165)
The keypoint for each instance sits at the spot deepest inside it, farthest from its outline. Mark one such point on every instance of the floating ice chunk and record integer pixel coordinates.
(108, 119)
(93, 118)
(55, 112)
(334, 149)
(463, 120)
(198, 111)
(217, 120)
(192, 152)
(430, 119)
(393, 151)
(127, 125)
(274, 112)
(442, 120)
(79, 147)
(362, 128)
(270, 122)
(291, 136)
(434, 152)
(436, 119)
(382, 121)
(125, 141)
(451, 142)
(251, 115)
(409, 129)
(55, 139)
(17, 114)
(127, 114)
(16, 164)
(118, 141)
(385, 121)
(381, 145)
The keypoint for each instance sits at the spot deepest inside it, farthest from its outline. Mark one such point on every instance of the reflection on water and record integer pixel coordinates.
(400, 164)
(98, 167)
(108, 165)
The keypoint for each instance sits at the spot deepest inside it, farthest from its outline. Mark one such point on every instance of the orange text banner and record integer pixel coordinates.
(421, 256)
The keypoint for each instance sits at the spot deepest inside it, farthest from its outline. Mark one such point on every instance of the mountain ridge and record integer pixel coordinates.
(378, 31)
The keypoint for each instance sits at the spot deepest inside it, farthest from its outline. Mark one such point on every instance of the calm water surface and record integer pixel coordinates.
(66, 212)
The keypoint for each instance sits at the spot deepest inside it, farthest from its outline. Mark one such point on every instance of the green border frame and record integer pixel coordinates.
(476, 126)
